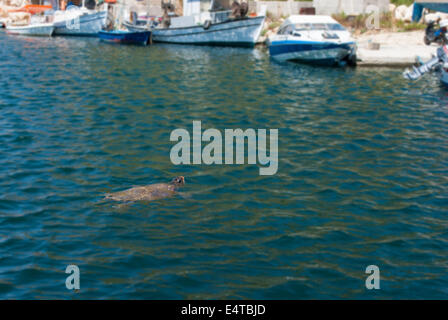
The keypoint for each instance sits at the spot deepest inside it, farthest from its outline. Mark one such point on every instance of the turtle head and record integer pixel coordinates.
(178, 181)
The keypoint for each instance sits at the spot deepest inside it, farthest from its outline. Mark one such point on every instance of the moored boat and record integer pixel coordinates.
(79, 21)
(40, 29)
(313, 39)
(126, 37)
(220, 24)
(117, 32)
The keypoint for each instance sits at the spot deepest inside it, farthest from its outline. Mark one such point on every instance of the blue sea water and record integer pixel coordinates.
(362, 177)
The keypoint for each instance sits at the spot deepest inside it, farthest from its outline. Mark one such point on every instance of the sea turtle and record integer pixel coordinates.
(150, 192)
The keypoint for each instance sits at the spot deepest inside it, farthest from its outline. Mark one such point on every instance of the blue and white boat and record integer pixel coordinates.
(313, 39)
(126, 37)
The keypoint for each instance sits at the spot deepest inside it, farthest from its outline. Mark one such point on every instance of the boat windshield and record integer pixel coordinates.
(335, 27)
(318, 26)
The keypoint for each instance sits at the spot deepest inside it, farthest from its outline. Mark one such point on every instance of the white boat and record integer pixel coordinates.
(313, 39)
(210, 22)
(79, 21)
(39, 29)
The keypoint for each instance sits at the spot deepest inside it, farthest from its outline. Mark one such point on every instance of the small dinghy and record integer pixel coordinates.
(126, 37)
(117, 32)
(40, 29)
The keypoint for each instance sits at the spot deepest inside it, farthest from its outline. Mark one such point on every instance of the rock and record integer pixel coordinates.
(392, 7)
(400, 12)
(409, 12)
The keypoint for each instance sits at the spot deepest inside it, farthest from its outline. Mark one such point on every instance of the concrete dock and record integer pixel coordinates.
(397, 49)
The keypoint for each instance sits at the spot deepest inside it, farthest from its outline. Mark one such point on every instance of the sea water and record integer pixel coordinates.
(361, 180)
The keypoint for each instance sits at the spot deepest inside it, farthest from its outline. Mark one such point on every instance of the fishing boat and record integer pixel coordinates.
(210, 22)
(126, 36)
(39, 29)
(79, 21)
(313, 39)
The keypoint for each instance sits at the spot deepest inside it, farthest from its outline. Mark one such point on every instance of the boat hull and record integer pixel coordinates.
(444, 78)
(311, 52)
(142, 37)
(43, 30)
(84, 25)
(243, 32)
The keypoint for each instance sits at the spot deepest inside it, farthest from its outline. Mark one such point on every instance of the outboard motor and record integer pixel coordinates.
(436, 63)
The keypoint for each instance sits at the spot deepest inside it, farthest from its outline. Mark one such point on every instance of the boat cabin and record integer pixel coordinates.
(197, 12)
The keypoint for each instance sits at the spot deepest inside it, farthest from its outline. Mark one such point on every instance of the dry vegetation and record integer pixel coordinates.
(358, 24)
